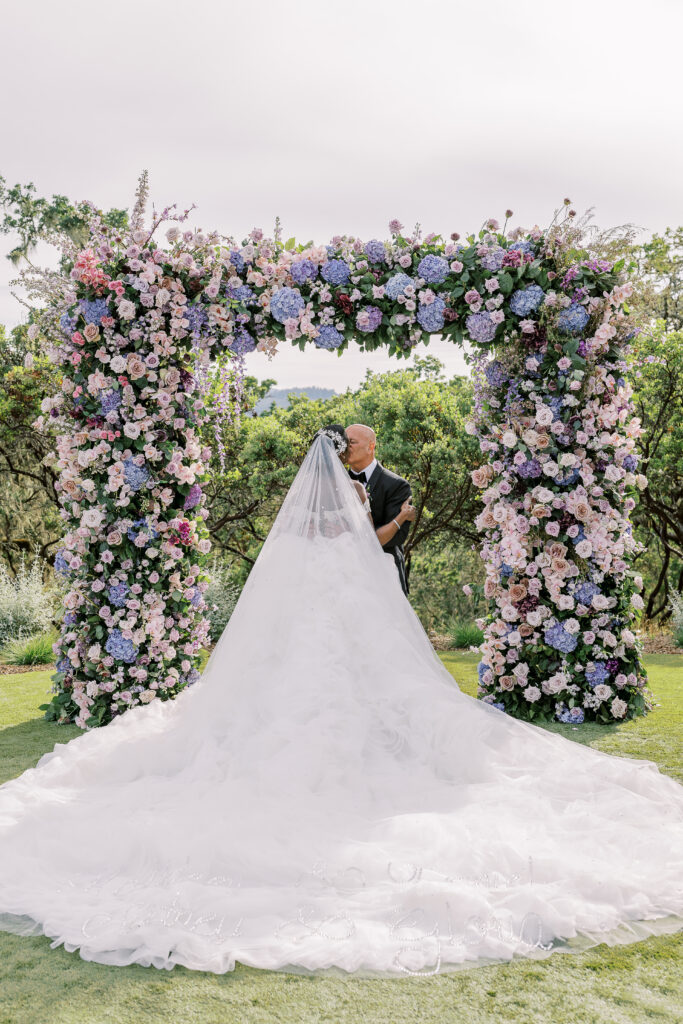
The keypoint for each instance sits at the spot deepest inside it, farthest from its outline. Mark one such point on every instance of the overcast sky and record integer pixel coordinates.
(339, 116)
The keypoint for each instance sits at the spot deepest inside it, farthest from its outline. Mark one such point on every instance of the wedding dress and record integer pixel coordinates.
(325, 798)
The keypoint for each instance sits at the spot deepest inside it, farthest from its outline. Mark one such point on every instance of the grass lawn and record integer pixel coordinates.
(622, 985)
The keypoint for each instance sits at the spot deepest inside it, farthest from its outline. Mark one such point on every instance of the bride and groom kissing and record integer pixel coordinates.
(389, 494)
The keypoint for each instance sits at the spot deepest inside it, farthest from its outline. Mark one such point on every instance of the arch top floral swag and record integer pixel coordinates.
(144, 333)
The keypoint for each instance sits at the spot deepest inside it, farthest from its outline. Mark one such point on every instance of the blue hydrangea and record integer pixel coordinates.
(557, 636)
(117, 594)
(109, 401)
(242, 342)
(375, 251)
(480, 327)
(374, 319)
(598, 674)
(68, 324)
(630, 463)
(303, 270)
(585, 592)
(573, 319)
(139, 526)
(239, 293)
(286, 303)
(526, 300)
(197, 317)
(431, 316)
(196, 598)
(93, 310)
(336, 271)
(61, 564)
(505, 570)
(499, 705)
(120, 648)
(434, 269)
(70, 618)
(482, 667)
(493, 260)
(396, 285)
(569, 478)
(63, 665)
(574, 716)
(555, 402)
(528, 470)
(134, 475)
(237, 260)
(192, 676)
(496, 374)
(328, 337)
(523, 247)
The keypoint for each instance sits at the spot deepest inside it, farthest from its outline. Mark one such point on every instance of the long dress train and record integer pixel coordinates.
(326, 798)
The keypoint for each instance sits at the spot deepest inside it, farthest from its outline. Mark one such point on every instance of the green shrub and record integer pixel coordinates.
(676, 602)
(27, 605)
(465, 634)
(221, 597)
(34, 650)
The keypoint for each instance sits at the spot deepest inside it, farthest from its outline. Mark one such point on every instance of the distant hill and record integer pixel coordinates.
(280, 396)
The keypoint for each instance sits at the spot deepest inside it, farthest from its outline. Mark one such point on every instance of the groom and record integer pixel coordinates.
(389, 495)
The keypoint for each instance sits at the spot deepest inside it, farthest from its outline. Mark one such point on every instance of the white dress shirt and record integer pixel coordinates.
(369, 470)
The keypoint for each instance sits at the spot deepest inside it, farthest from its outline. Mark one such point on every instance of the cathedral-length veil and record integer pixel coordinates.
(325, 797)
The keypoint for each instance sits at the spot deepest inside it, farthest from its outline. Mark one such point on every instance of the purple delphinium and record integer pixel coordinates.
(193, 497)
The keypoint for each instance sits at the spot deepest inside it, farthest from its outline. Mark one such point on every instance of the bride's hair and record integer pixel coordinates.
(336, 433)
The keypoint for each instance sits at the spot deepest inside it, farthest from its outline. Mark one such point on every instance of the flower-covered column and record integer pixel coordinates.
(556, 421)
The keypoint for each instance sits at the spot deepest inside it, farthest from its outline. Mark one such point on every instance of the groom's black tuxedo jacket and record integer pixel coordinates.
(387, 492)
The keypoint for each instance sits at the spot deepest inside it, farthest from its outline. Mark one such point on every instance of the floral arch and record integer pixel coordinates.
(134, 327)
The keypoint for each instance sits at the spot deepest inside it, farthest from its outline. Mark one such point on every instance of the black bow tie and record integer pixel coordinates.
(358, 476)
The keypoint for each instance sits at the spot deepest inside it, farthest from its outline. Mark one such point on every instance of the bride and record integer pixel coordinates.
(325, 797)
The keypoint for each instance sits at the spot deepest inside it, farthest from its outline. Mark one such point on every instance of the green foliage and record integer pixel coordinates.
(29, 510)
(221, 598)
(419, 419)
(657, 359)
(27, 605)
(465, 634)
(31, 217)
(34, 650)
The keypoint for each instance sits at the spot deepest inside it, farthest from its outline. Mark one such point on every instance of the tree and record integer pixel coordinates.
(419, 420)
(658, 362)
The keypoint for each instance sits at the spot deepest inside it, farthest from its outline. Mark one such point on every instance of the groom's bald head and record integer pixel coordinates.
(362, 441)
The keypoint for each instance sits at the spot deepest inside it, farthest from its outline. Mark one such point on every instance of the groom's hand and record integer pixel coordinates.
(408, 512)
